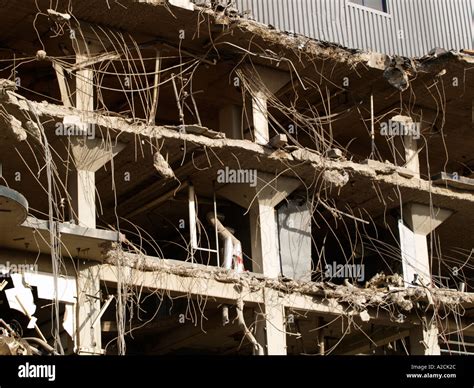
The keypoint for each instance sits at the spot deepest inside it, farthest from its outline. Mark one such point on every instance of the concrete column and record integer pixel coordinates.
(264, 232)
(260, 118)
(230, 121)
(262, 200)
(421, 221)
(410, 142)
(84, 86)
(411, 155)
(88, 153)
(88, 156)
(269, 81)
(271, 325)
(88, 337)
(82, 181)
(424, 340)
(82, 189)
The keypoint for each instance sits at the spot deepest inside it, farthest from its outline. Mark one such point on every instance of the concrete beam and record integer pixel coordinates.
(182, 285)
(268, 191)
(360, 344)
(35, 235)
(423, 219)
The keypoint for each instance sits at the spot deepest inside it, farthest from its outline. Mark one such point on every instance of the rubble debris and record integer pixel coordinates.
(162, 166)
(381, 280)
(336, 178)
(15, 129)
(5, 86)
(397, 77)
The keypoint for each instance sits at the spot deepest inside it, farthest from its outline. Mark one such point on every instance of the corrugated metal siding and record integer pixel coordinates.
(410, 28)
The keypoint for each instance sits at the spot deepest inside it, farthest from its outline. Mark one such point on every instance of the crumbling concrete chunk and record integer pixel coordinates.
(338, 179)
(162, 166)
(14, 128)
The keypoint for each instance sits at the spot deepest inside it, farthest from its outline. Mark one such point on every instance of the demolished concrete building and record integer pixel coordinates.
(178, 179)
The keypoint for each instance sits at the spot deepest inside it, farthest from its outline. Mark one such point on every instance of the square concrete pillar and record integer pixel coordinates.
(424, 340)
(421, 221)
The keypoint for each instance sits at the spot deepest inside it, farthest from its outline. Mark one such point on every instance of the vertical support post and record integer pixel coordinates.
(62, 82)
(424, 339)
(262, 200)
(88, 336)
(215, 227)
(372, 126)
(82, 181)
(260, 118)
(84, 86)
(89, 155)
(472, 113)
(422, 220)
(410, 143)
(192, 219)
(271, 81)
(271, 328)
(83, 206)
(156, 90)
(271, 324)
(411, 154)
(264, 232)
(321, 345)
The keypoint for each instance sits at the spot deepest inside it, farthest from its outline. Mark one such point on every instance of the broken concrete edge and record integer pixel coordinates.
(378, 171)
(314, 48)
(332, 51)
(72, 229)
(360, 299)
